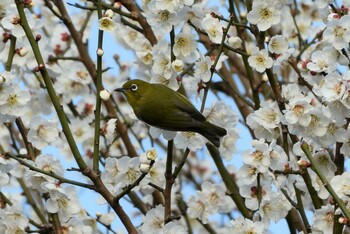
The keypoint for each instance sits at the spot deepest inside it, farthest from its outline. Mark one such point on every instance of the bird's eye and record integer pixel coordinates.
(133, 87)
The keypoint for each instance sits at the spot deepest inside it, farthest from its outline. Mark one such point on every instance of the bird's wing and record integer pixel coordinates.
(180, 114)
(186, 106)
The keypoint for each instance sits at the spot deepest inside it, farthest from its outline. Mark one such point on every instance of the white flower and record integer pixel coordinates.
(107, 218)
(264, 14)
(260, 60)
(203, 69)
(198, 207)
(345, 149)
(178, 65)
(156, 132)
(46, 163)
(14, 219)
(318, 185)
(297, 111)
(4, 179)
(162, 20)
(162, 66)
(278, 44)
(324, 219)
(154, 220)
(244, 226)
(129, 171)
(213, 27)
(12, 23)
(172, 6)
(280, 60)
(248, 174)
(73, 83)
(221, 114)
(112, 169)
(13, 100)
(335, 133)
(81, 129)
(62, 201)
(338, 32)
(333, 87)
(265, 120)
(42, 132)
(216, 197)
(234, 42)
(341, 185)
(228, 144)
(151, 154)
(109, 130)
(185, 42)
(274, 206)
(260, 158)
(191, 140)
(50, 164)
(145, 56)
(106, 24)
(320, 119)
(323, 61)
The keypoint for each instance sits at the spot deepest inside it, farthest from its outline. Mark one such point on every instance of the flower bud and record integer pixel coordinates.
(117, 5)
(23, 151)
(267, 39)
(151, 154)
(303, 163)
(38, 37)
(343, 220)
(234, 42)
(105, 95)
(144, 168)
(109, 13)
(21, 51)
(265, 78)
(100, 52)
(177, 65)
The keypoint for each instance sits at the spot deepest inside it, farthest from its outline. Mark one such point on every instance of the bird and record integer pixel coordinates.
(159, 106)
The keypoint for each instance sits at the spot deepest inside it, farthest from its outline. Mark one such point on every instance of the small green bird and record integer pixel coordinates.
(164, 108)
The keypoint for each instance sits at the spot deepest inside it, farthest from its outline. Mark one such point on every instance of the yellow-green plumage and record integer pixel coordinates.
(164, 108)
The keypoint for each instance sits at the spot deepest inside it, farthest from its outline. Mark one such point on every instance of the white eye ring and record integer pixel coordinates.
(133, 87)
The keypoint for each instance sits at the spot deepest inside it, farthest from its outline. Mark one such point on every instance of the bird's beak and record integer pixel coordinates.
(120, 90)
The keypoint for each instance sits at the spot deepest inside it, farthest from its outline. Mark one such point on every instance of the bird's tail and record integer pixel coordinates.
(212, 132)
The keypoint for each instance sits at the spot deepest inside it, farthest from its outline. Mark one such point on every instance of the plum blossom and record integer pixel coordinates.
(213, 27)
(42, 132)
(13, 100)
(191, 140)
(324, 219)
(242, 226)
(185, 42)
(265, 120)
(61, 201)
(341, 185)
(172, 6)
(337, 32)
(260, 60)
(203, 69)
(107, 24)
(278, 44)
(154, 220)
(264, 14)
